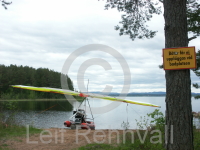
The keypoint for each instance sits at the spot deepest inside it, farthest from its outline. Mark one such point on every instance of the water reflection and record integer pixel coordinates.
(39, 105)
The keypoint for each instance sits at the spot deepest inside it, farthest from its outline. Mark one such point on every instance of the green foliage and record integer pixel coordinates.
(8, 118)
(24, 75)
(41, 105)
(196, 139)
(143, 123)
(137, 13)
(196, 71)
(125, 125)
(193, 15)
(157, 117)
(10, 105)
(32, 95)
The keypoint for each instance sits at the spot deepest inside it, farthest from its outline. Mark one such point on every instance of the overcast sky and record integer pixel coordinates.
(43, 33)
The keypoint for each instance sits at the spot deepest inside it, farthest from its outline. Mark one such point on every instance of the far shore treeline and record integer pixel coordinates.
(43, 77)
(25, 75)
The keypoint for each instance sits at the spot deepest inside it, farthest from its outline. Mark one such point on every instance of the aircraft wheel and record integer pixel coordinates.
(92, 128)
(73, 126)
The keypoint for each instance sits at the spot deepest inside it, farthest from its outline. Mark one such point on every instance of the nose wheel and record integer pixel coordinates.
(73, 126)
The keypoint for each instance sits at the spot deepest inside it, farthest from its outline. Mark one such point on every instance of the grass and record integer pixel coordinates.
(142, 143)
(137, 145)
(13, 132)
(4, 147)
(16, 131)
(196, 139)
(97, 147)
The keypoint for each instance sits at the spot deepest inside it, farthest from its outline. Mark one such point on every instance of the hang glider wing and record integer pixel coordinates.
(69, 92)
(45, 89)
(120, 100)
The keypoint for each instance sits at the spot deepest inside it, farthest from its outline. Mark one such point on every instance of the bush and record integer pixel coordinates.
(8, 109)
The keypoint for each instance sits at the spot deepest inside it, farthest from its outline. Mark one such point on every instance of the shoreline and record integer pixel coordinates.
(69, 139)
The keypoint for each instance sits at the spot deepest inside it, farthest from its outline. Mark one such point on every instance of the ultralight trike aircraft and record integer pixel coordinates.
(79, 116)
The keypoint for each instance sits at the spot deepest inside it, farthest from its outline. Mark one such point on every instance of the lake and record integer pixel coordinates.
(52, 114)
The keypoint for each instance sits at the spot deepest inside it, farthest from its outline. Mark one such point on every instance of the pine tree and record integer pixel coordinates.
(179, 125)
(24, 75)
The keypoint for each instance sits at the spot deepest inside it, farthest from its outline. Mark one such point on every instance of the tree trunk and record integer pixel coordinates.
(179, 124)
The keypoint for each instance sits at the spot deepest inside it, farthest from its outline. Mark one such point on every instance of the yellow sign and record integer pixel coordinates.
(179, 58)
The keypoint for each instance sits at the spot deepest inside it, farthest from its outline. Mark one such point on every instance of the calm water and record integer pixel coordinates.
(57, 112)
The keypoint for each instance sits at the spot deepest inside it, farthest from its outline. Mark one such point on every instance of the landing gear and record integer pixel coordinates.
(78, 120)
(92, 128)
(73, 126)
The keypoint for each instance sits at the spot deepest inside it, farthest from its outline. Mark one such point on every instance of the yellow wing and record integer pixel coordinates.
(69, 92)
(45, 89)
(120, 100)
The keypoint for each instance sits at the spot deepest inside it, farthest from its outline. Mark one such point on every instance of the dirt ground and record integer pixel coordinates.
(62, 139)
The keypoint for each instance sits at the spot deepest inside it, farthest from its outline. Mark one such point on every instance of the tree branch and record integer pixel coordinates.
(4, 3)
(191, 38)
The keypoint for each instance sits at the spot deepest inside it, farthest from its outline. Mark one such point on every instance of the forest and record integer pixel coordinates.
(25, 75)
